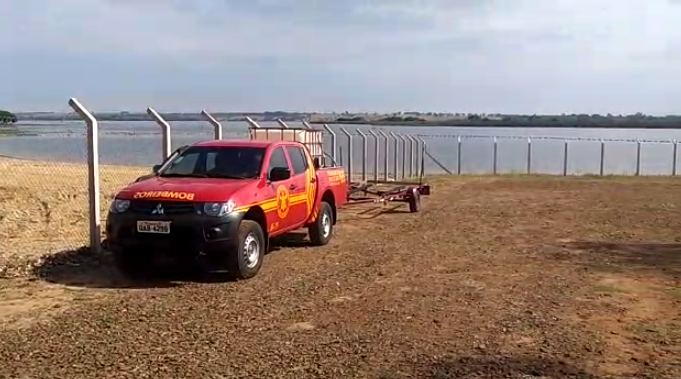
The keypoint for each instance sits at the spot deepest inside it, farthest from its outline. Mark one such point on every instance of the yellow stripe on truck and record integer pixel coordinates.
(270, 205)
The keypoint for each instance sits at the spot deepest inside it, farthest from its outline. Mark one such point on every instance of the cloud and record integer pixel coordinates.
(483, 55)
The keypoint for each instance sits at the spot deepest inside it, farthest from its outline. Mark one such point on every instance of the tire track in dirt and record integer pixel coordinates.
(469, 286)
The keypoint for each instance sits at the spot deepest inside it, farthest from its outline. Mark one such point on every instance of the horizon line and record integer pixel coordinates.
(355, 113)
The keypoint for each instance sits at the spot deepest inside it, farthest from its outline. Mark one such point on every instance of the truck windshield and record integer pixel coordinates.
(229, 162)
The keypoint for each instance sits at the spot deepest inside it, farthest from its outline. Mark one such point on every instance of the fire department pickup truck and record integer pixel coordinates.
(220, 202)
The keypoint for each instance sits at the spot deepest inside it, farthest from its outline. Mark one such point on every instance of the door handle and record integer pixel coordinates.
(292, 187)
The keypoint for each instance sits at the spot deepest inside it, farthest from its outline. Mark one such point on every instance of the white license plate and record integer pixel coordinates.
(158, 227)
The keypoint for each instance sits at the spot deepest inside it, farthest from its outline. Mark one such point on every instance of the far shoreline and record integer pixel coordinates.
(468, 124)
(543, 122)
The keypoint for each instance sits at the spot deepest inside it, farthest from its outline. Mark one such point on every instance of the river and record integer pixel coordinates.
(139, 143)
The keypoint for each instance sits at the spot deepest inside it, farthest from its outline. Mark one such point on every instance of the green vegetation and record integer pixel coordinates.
(638, 120)
(7, 117)
(7, 121)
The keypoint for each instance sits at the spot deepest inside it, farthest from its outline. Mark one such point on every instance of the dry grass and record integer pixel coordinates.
(43, 208)
(516, 277)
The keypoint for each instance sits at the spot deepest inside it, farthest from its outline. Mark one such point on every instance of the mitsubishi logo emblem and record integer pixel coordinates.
(158, 211)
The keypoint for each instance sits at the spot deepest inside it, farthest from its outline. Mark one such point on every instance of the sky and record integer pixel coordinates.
(507, 56)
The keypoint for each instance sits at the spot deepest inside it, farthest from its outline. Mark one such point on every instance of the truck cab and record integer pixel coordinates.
(220, 202)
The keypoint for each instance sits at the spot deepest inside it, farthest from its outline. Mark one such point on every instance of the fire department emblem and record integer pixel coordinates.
(283, 202)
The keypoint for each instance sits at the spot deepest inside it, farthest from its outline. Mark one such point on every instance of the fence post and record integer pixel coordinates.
(349, 153)
(416, 153)
(404, 156)
(529, 155)
(386, 147)
(252, 123)
(93, 174)
(165, 132)
(376, 154)
(307, 125)
(334, 146)
(601, 169)
(422, 169)
(638, 157)
(365, 152)
(495, 157)
(565, 158)
(675, 156)
(396, 147)
(411, 156)
(217, 126)
(436, 161)
(282, 123)
(458, 155)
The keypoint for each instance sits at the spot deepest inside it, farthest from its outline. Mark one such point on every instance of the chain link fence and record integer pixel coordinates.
(43, 210)
(44, 203)
(44, 195)
(44, 185)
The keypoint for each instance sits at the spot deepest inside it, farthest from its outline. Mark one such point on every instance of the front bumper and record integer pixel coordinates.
(191, 233)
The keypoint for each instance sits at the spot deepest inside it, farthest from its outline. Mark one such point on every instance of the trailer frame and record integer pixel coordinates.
(399, 191)
(363, 192)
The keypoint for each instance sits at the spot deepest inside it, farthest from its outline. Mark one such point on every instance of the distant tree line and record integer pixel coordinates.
(7, 117)
(638, 120)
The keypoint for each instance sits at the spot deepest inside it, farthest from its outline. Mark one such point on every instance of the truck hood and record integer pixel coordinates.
(185, 189)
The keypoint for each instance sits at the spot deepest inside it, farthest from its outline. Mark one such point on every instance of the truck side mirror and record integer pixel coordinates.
(279, 173)
(317, 162)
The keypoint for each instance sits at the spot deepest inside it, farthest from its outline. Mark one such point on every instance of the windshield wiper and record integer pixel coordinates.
(172, 175)
(226, 176)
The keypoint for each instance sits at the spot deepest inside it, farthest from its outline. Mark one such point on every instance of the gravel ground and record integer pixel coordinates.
(513, 277)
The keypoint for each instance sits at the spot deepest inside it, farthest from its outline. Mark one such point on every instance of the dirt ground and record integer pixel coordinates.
(509, 277)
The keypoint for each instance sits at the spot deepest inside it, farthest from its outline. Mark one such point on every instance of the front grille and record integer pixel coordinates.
(179, 235)
(169, 207)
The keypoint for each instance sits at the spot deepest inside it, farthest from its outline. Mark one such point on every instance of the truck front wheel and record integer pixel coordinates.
(322, 229)
(245, 261)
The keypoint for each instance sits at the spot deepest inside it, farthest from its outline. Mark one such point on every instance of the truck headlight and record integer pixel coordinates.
(219, 209)
(119, 206)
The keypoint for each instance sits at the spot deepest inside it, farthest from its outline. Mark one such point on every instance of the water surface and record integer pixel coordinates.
(139, 143)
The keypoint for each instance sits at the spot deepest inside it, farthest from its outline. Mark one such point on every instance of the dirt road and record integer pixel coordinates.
(520, 277)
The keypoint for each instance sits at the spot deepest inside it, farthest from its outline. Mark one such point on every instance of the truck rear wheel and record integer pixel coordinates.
(322, 229)
(245, 261)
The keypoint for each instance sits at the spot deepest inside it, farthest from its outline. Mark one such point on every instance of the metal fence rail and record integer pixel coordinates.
(92, 133)
(556, 138)
(407, 151)
(379, 154)
(571, 151)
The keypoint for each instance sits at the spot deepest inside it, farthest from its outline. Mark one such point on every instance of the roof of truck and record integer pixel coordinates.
(235, 142)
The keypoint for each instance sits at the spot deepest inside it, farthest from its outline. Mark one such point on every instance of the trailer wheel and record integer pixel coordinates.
(133, 264)
(414, 200)
(322, 229)
(245, 260)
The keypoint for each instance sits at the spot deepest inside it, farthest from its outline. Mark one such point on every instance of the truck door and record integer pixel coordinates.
(278, 211)
(302, 198)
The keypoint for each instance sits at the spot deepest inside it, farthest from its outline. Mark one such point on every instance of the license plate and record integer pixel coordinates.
(157, 227)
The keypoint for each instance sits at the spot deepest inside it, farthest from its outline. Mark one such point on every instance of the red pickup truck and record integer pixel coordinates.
(220, 202)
